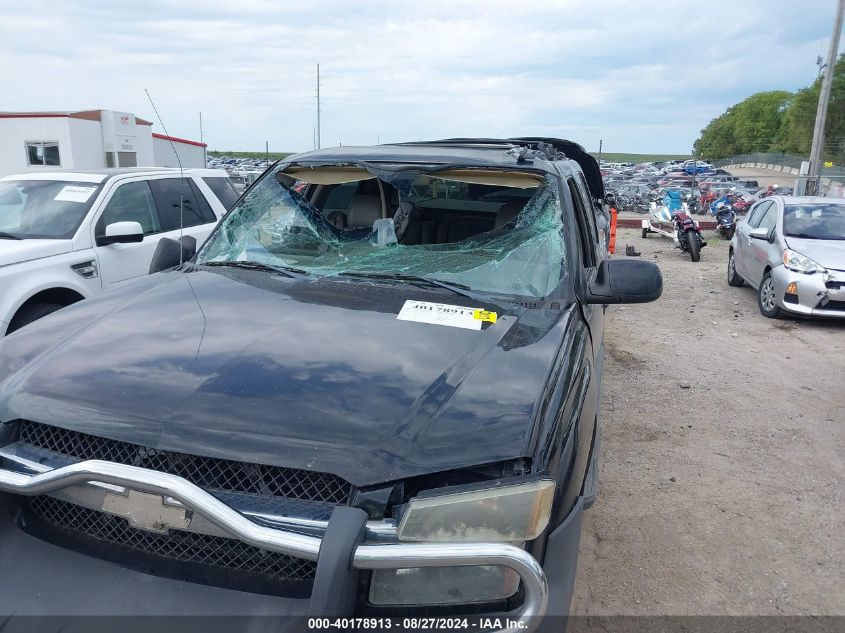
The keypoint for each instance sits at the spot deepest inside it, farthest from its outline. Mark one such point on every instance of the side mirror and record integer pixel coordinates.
(121, 233)
(170, 253)
(761, 233)
(625, 281)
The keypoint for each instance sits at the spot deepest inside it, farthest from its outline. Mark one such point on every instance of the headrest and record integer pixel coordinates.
(363, 211)
(508, 212)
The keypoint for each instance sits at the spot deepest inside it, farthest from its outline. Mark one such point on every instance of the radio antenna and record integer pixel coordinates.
(181, 176)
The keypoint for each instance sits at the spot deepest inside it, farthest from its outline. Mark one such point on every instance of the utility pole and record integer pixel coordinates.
(814, 180)
(600, 142)
(267, 150)
(318, 106)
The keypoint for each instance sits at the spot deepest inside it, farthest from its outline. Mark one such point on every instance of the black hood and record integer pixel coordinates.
(318, 375)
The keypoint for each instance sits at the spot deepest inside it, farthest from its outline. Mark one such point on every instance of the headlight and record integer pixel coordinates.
(800, 263)
(510, 513)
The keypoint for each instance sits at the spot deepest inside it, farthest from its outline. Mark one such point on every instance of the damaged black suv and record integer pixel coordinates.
(374, 390)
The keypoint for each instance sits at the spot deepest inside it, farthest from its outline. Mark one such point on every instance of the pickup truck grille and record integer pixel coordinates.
(206, 472)
(219, 554)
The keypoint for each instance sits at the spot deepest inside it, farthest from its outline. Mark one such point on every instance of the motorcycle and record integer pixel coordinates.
(694, 203)
(725, 216)
(672, 220)
(741, 206)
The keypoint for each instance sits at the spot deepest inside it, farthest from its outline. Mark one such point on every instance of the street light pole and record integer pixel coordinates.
(814, 180)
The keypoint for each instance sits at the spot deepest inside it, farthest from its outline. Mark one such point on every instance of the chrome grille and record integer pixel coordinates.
(214, 551)
(206, 472)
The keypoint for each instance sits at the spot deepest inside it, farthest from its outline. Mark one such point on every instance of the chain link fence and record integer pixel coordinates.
(779, 160)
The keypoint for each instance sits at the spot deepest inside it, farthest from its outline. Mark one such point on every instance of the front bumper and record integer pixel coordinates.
(338, 554)
(819, 294)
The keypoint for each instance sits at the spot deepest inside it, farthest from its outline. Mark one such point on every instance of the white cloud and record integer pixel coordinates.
(643, 76)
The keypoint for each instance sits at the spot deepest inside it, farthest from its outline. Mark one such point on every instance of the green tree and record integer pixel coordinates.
(753, 125)
(796, 134)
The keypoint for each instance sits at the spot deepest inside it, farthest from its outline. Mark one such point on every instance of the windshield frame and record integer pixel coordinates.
(84, 212)
(563, 289)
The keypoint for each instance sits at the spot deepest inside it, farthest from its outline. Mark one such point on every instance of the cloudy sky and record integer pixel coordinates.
(644, 76)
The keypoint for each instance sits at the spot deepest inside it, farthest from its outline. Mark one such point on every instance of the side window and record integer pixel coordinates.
(204, 207)
(770, 217)
(223, 189)
(757, 213)
(131, 202)
(596, 218)
(586, 227)
(166, 193)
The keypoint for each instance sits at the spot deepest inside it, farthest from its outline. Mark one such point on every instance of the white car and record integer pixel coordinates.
(68, 235)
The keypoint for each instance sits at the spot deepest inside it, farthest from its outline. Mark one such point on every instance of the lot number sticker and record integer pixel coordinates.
(445, 314)
(72, 193)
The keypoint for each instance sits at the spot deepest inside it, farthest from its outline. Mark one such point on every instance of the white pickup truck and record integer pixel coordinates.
(67, 235)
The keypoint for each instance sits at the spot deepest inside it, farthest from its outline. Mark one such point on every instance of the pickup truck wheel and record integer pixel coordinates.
(32, 312)
(645, 232)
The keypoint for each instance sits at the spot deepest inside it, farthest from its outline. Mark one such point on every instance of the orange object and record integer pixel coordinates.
(611, 246)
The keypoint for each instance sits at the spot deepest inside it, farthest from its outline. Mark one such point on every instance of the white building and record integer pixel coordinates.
(89, 139)
(165, 149)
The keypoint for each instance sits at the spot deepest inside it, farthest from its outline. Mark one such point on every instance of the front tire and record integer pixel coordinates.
(766, 298)
(694, 245)
(729, 233)
(733, 277)
(645, 233)
(29, 313)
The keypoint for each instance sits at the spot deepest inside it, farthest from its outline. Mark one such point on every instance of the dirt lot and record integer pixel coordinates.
(765, 177)
(722, 464)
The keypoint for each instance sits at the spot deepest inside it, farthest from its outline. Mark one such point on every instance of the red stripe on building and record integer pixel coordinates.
(34, 115)
(176, 139)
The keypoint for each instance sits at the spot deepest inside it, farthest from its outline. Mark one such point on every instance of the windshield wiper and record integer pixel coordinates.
(807, 236)
(9, 236)
(405, 277)
(458, 289)
(293, 273)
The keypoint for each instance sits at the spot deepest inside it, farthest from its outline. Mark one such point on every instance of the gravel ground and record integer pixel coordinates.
(722, 460)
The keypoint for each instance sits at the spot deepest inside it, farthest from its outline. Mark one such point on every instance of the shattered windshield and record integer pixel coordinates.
(497, 233)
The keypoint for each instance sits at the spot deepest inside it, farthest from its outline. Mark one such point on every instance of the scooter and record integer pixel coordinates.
(672, 220)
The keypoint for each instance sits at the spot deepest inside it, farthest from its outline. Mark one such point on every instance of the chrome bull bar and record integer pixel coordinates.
(373, 556)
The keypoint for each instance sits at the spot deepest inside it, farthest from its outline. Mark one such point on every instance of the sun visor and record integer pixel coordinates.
(516, 179)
